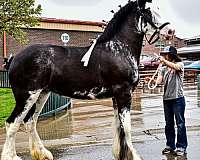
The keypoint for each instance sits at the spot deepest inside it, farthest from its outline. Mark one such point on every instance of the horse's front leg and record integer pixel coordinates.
(122, 146)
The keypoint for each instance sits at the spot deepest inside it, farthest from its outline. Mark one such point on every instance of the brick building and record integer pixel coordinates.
(160, 44)
(192, 49)
(49, 32)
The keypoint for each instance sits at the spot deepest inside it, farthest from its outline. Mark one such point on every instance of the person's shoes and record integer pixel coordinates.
(167, 150)
(180, 152)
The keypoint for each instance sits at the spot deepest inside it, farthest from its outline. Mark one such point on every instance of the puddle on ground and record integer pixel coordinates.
(95, 117)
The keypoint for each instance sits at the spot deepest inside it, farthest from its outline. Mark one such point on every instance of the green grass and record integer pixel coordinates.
(7, 103)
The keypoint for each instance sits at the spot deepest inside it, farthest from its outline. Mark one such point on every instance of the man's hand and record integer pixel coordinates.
(161, 58)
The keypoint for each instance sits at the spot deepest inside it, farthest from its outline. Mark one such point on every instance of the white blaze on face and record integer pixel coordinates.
(168, 32)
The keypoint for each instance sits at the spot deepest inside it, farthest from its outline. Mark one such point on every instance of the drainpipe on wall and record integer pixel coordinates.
(4, 45)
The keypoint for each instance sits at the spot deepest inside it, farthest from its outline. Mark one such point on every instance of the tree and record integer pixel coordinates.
(18, 14)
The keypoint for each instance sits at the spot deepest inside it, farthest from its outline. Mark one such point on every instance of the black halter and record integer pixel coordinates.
(157, 29)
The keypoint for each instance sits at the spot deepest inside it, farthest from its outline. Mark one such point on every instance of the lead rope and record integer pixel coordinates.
(150, 86)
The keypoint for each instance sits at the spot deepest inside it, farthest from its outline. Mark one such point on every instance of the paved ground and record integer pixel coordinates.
(148, 149)
(85, 132)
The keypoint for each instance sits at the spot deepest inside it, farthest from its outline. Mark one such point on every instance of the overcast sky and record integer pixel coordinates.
(183, 14)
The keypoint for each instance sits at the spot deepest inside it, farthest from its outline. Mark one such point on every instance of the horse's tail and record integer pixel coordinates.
(7, 61)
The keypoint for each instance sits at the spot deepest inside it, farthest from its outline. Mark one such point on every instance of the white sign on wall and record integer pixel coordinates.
(65, 38)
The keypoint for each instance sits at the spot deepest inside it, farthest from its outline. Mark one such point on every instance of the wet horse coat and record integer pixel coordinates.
(112, 71)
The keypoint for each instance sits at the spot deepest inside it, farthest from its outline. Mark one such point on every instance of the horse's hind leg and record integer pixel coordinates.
(37, 149)
(122, 146)
(24, 102)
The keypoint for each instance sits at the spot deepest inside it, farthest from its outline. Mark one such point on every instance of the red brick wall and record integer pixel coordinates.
(151, 49)
(37, 36)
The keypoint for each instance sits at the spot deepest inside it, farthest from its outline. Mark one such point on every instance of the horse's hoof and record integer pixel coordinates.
(17, 158)
(10, 158)
(44, 154)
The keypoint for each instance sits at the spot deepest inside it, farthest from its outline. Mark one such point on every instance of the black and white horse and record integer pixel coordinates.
(112, 71)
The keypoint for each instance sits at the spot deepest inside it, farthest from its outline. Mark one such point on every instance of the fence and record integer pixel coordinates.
(54, 104)
(4, 81)
(190, 76)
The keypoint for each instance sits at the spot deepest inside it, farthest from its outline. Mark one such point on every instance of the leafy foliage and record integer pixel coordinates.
(17, 14)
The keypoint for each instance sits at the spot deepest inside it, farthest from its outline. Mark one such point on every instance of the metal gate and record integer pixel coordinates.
(56, 103)
(4, 80)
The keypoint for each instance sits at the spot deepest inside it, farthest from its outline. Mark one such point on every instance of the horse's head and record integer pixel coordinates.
(133, 20)
(168, 32)
(150, 23)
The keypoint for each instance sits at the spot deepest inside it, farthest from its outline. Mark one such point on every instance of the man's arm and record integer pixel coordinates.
(172, 65)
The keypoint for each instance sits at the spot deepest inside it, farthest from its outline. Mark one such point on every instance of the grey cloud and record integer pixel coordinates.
(187, 10)
(75, 2)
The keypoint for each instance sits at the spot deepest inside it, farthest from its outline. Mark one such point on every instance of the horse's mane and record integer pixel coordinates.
(115, 23)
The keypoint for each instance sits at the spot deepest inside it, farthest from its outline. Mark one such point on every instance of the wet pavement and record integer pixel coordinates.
(145, 149)
(85, 131)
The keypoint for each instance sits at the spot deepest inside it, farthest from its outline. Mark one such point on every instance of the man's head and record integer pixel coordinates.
(170, 53)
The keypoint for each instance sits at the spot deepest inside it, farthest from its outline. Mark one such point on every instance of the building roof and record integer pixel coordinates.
(195, 38)
(73, 25)
(189, 49)
(66, 21)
